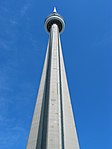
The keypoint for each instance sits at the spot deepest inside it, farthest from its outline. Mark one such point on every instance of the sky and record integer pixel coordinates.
(87, 50)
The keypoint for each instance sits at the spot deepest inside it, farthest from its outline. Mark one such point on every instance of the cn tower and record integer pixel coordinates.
(53, 125)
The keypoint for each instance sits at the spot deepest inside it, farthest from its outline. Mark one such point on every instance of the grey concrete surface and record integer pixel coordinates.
(53, 125)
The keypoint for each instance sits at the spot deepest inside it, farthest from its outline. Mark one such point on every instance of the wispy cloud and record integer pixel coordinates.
(25, 8)
(12, 136)
(15, 92)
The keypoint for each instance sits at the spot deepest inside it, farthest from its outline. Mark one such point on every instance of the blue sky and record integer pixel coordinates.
(87, 49)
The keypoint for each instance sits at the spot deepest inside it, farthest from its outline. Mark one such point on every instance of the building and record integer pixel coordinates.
(53, 125)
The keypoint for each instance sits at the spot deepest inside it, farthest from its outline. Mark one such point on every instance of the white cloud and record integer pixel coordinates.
(25, 8)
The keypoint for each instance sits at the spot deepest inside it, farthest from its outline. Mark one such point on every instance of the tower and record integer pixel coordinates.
(53, 125)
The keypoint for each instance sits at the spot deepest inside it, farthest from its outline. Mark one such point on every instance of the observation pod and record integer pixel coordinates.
(54, 18)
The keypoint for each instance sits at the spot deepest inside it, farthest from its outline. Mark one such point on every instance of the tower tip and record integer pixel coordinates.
(54, 10)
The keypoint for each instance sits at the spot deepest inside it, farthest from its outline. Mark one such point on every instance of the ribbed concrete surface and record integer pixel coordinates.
(53, 125)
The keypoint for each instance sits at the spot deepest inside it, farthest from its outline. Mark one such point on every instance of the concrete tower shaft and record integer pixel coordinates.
(53, 125)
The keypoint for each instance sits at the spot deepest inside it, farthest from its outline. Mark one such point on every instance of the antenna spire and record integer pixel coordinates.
(54, 10)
